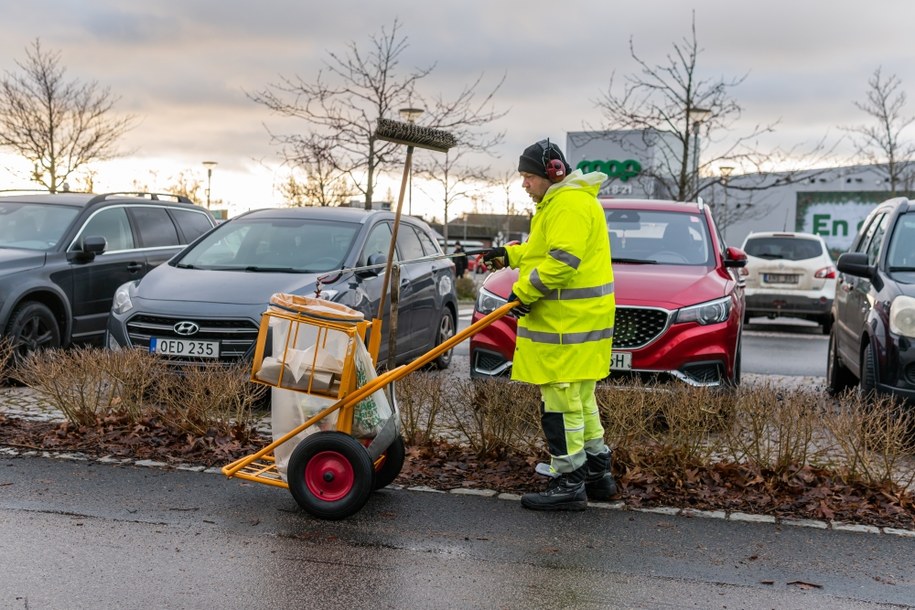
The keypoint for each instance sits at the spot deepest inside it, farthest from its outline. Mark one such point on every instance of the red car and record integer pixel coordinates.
(679, 298)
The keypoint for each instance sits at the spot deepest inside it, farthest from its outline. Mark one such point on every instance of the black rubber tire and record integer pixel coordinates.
(330, 475)
(394, 457)
(826, 324)
(446, 330)
(32, 327)
(868, 384)
(838, 377)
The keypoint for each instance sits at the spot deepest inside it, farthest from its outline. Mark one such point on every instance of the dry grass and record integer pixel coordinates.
(6, 359)
(659, 430)
(89, 384)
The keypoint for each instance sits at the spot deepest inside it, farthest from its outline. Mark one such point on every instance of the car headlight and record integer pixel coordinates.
(122, 303)
(902, 316)
(712, 312)
(488, 302)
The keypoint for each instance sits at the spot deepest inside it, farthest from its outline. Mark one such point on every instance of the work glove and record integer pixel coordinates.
(519, 311)
(495, 258)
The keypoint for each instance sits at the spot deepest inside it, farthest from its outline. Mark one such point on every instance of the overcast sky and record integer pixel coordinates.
(184, 66)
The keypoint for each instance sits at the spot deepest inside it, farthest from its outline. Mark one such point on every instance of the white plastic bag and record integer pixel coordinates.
(290, 409)
(374, 410)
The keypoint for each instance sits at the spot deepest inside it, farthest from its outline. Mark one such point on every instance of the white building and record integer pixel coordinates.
(829, 202)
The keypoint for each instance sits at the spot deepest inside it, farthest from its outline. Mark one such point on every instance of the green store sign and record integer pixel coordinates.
(621, 170)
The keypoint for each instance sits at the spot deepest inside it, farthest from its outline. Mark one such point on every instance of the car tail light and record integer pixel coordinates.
(826, 273)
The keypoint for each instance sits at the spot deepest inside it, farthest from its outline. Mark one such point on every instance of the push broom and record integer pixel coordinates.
(412, 136)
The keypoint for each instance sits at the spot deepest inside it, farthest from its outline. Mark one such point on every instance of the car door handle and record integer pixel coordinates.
(134, 267)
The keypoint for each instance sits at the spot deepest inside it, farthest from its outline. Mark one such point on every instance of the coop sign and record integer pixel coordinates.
(620, 170)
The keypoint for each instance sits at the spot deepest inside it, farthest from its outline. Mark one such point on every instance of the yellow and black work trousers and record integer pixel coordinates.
(571, 423)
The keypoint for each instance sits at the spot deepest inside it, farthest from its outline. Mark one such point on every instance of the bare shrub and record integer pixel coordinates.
(6, 359)
(663, 429)
(420, 399)
(466, 288)
(496, 416)
(75, 381)
(774, 429)
(134, 375)
(210, 400)
(872, 440)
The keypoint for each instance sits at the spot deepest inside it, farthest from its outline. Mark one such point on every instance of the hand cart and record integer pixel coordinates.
(330, 472)
(315, 347)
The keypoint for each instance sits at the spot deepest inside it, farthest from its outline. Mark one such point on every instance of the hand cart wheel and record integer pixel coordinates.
(394, 457)
(330, 475)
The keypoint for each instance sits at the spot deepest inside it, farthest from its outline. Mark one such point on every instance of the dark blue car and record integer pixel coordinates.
(205, 305)
(872, 343)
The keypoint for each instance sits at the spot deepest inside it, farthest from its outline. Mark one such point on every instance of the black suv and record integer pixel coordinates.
(873, 331)
(62, 256)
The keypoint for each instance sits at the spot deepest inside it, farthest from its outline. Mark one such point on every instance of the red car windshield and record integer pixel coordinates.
(658, 237)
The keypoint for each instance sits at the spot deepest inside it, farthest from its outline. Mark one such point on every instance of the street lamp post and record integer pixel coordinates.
(696, 115)
(410, 115)
(725, 176)
(209, 165)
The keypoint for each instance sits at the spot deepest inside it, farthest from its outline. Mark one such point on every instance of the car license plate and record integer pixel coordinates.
(620, 361)
(780, 278)
(184, 347)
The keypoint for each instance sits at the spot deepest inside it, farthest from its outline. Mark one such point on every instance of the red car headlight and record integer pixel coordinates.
(711, 312)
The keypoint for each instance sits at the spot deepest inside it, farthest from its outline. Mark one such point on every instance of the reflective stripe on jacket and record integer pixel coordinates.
(565, 274)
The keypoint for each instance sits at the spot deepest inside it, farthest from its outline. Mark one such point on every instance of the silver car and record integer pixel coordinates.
(205, 304)
(789, 274)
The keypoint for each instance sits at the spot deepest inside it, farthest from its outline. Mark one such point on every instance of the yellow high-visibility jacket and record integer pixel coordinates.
(565, 275)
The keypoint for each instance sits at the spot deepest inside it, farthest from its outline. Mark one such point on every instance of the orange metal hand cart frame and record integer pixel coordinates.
(330, 473)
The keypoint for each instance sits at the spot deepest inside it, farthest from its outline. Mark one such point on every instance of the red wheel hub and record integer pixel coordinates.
(329, 476)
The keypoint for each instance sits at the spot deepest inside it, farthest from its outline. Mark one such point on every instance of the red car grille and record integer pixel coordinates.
(635, 327)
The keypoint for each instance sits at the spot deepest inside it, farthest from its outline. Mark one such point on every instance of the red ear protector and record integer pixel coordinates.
(555, 168)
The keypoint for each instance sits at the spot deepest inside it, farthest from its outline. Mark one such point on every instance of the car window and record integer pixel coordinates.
(430, 248)
(876, 240)
(378, 242)
(783, 248)
(901, 254)
(408, 243)
(862, 244)
(193, 224)
(33, 226)
(155, 227)
(274, 244)
(112, 224)
(657, 236)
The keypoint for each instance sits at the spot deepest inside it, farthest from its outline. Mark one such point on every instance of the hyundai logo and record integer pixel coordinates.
(186, 328)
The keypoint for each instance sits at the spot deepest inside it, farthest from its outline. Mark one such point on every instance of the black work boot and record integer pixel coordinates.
(565, 492)
(599, 483)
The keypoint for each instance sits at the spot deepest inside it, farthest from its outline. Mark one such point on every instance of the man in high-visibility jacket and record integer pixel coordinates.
(565, 323)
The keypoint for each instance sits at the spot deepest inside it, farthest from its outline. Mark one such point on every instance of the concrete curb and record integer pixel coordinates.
(620, 505)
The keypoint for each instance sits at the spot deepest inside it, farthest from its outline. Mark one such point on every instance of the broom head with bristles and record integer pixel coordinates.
(414, 135)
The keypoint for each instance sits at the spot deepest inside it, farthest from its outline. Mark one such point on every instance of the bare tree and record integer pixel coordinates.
(880, 143)
(59, 126)
(345, 100)
(188, 185)
(324, 185)
(679, 112)
(468, 118)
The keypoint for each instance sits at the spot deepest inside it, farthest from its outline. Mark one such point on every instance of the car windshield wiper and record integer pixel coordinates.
(634, 261)
(260, 269)
(902, 269)
(185, 266)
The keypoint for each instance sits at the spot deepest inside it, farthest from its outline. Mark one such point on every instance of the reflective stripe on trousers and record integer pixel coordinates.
(571, 423)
